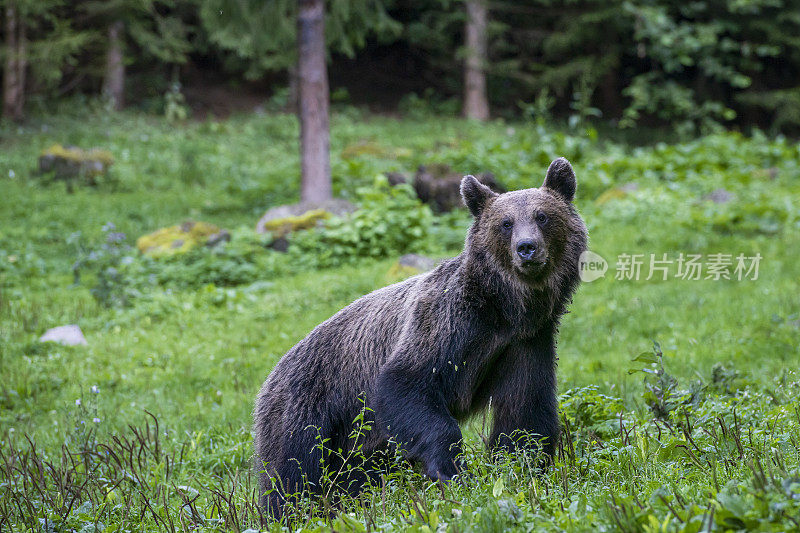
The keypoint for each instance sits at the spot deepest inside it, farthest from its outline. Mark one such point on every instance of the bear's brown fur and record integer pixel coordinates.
(479, 330)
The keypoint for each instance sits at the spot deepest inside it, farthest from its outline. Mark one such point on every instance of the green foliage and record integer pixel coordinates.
(587, 411)
(650, 94)
(390, 221)
(745, 465)
(427, 105)
(238, 28)
(54, 40)
(175, 108)
(782, 104)
(25, 263)
(692, 68)
(113, 264)
(578, 48)
(241, 261)
(701, 51)
(67, 43)
(160, 29)
(661, 395)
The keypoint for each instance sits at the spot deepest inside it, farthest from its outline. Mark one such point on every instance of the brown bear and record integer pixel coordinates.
(422, 355)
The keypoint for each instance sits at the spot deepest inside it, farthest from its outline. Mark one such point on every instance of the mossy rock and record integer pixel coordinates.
(78, 155)
(72, 162)
(282, 220)
(281, 227)
(176, 240)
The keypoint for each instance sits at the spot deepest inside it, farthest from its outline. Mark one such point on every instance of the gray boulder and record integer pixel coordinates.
(70, 335)
(416, 261)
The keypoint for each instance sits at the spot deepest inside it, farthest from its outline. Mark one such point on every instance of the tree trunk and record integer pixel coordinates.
(476, 104)
(114, 82)
(315, 183)
(16, 63)
(610, 94)
(294, 89)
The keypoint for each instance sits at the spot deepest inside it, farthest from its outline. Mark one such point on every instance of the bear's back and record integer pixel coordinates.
(340, 359)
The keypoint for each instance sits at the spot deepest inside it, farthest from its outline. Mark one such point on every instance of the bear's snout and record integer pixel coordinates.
(529, 256)
(526, 250)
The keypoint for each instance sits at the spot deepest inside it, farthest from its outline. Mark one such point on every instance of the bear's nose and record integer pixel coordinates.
(526, 249)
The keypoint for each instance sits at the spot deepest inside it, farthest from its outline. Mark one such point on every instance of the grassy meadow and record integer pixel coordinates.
(148, 427)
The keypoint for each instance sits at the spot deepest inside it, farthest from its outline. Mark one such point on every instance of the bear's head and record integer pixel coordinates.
(533, 233)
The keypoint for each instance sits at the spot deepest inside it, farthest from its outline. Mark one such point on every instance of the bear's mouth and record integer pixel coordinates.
(531, 269)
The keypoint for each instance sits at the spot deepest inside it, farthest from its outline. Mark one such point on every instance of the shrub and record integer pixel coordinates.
(241, 261)
(391, 221)
(113, 264)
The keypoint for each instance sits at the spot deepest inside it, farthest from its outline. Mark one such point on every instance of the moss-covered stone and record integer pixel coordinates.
(282, 220)
(78, 155)
(281, 227)
(71, 163)
(176, 240)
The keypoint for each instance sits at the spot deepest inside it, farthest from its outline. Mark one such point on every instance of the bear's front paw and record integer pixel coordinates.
(444, 470)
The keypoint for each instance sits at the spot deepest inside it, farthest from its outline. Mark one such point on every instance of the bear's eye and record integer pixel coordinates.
(541, 218)
(507, 224)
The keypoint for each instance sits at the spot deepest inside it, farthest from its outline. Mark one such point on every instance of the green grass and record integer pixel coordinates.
(193, 357)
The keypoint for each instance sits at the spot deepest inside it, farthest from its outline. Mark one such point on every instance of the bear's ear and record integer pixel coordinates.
(561, 179)
(475, 194)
